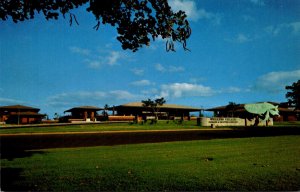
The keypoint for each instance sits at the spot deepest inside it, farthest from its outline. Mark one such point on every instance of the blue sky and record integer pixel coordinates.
(242, 51)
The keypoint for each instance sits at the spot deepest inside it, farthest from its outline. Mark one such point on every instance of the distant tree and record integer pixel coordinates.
(293, 95)
(46, 117)
(136, 20)
(154, 105)
(231, 108)
(56, 116)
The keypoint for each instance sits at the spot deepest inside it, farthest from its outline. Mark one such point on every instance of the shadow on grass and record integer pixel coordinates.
(10, 180)
(12, 153)
(14, 146)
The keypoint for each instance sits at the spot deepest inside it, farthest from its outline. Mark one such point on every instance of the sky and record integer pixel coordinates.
(242, 51)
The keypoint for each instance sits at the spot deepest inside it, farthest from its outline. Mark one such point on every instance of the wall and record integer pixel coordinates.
(121, 118)
(230, 121)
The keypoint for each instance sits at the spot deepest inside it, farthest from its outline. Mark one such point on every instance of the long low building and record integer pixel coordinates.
(20, 114)
(82, 113)
(166, 111)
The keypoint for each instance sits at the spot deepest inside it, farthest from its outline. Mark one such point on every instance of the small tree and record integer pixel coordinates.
(154, 105)
(293, 95)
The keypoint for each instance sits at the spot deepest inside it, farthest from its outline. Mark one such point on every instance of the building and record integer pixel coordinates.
(166, 111)
(286, 113)
(82, 113)
(19, 114)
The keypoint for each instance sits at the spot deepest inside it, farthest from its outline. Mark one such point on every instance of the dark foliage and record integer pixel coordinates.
(154, 105)
(137, 21)
(231, 108)
(293, 95)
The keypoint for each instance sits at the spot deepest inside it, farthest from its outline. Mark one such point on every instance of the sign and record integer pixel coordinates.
(223, 120)
(231, 121)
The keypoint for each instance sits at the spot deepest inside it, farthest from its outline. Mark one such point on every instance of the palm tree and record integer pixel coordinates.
(105, 114)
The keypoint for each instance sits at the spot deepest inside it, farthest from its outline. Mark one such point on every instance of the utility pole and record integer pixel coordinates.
(18, 116)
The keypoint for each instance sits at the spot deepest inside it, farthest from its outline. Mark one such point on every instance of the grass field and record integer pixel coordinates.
(264, 163)
(161, 125)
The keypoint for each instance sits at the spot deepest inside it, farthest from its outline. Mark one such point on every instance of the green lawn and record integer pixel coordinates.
(287, 123)
(264, 163)
(161, 125)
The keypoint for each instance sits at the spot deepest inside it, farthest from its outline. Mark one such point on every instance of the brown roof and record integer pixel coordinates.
(164, 106)
(220, 108)
(216, 108)
(84, 108)
(27, 114)
(19, 107)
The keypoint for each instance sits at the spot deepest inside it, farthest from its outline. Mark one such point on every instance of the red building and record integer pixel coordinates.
(19, 114)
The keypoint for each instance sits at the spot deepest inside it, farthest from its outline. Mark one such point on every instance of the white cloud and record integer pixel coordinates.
(150, 92)
(96, 59)
(230, 90)
(143, 82)
(293, 27)
(94, 98)
(159, 67)
(74, 97)
(122, 95)
(80, 51)
(196, 79)
(188, 6)
(240, 38)
(258, 2)
(192, 12)
(114, 57)
(273, 30)
(185, 89)
(93, 64)
(175, 68)
(275, 82)
(8, 101)
(203, 14)
(138, 72)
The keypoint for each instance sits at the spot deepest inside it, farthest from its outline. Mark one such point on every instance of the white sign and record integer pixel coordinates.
(231, 121)
(223, 120)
